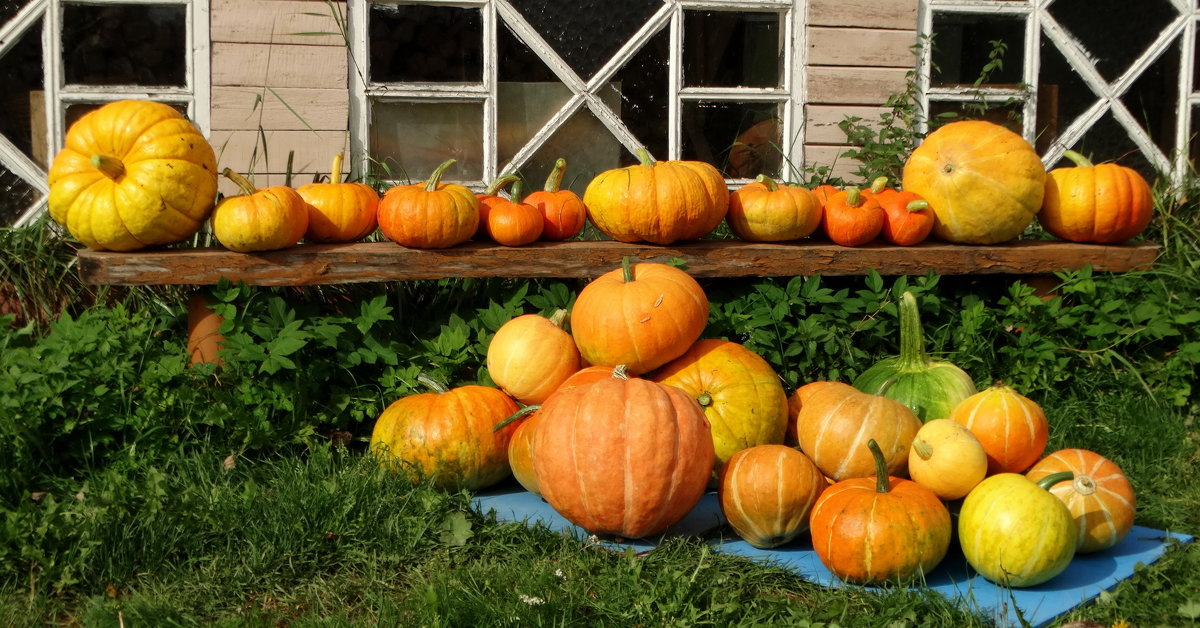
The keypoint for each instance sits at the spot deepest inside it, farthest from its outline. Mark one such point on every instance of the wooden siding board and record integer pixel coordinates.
(831, 155)
(278, 21)
(853, 85)
(279, 65)
(283, 108)
(243, 151)
(861, 47)
(823, 121)
(898, 14)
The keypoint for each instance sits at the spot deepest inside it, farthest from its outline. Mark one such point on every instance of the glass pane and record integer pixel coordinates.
(1008, 114)
(1115, 32)
(1107, 141)
(410, 139)
(527, 95)
(1062, 94)
(964, 45)
(1153, 97)
(425, 44)
(16, 196)
(638, 95)
(728, 49)
(587, 146)
(10, 8)
(587, 34)
(742, 140)
(125, 45)
(77, 111)
(22, 102)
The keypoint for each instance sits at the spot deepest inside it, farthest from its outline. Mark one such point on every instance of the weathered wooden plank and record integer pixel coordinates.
(831, 155)
(861, 47)
(386, 261)
(833, 85)
(279, 22)
(313, 150)
(279, 65)
(899, 14)
(821, 126)
(287, 108)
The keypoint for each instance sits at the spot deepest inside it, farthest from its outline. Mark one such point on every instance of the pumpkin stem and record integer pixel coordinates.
(1055, 478)
(514, 193)
(109, 166)
(1078, 159)
(499, 184)
(643, 156)
(923, 448)
(912, 340)
(705, 400)
(243, 183)
(916, 206)
(621, 371)
(854, 197)
(436, 177)
(626, 269)
(879, 185)
(335, 171)
(768, 182)
(516, 415)
(559, 317)
(554, 181)
(433, 384)
(881, 471)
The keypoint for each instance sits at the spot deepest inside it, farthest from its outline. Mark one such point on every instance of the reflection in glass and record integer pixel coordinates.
(1062, 94)
(1006, 114)
(1114, 32)
(640, 90)
(16, 196)
(742, 140)
(1152, 97)
(963, 43)
(410, 139)
(587, 33)
(527, 96)
(588, 148)
(728, 49)
(22, 101)
(125, 45)
(416, 43)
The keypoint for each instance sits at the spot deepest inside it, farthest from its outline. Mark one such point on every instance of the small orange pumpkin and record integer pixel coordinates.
(491, 194)
(852, 218)
(1103, 203)
(429, 215)
(259, 220)
(765, 211)
(563, 212)
(835, 423)
(907, 218)
(767, 493)
(511, 222)
(531, 355)
(339, 211)
(1011, 427)
(1099, 496)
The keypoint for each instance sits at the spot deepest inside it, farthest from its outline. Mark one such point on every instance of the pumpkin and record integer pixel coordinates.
(511, 222)
(796, 401)
(907, 218)
(823, 192)
(660, 202)
(531, 355)
(984, 182)
(767, 493)
(640, 315)
(1014, 532)
(872, 530)
(563, 212)
(490, 195)
(764, 211)
(204, 331)
(430, 215)
(1011, 427)
(259, 220)
(1104, 203)
(339, 211)
(1099, 496)
(447, 435)
(852, 218)
(947, 459)
(623, 456)
(132, 174)
(742, 396)
(836, 422)
(930, 388)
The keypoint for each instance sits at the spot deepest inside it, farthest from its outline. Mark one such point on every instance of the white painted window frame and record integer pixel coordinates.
(789, 95)
(1039, 21)
(195, 95)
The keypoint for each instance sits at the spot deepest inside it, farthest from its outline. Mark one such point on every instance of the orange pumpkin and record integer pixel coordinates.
(660, 202)
(1104, 203)
(447, 435)
(852, 218)
(531, 355)
(836, 422)
(491, 195)
(339, 211)
(563, 212)
(640, 315)
(741, 394)
(1011, 427)
(907, 218)
(796, 401)
(511, 222)
(765, 211)
(429, 215)
(622, 456)
(767, 493)
(872, 530)
(1100, 497)
(259, 220)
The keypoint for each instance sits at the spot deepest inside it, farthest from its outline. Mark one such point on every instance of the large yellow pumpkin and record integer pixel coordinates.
(133, 174)
(660, 202)
(984, 182)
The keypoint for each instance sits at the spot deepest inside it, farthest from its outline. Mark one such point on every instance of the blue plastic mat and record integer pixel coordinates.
(1086, 577)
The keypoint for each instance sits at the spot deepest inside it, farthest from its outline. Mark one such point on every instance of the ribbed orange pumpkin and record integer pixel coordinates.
(1100, 497)
(1011, 427)
(1103, 203)
(447, 435)
(836, 422)
(872, 530)
(741, 394)
(660, 202)
(512, 222)
(563, 212)
(640, 315)
(430, 215)
(531, 355)
(259, 220)
(767, 493)
(796, 401)
(765, 211)
(339, 211)
(852, 218)
(622, 456)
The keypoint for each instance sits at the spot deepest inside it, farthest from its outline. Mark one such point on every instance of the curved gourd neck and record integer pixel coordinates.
(912, 339)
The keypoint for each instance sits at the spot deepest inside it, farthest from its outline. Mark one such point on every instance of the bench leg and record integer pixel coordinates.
(204, 342)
